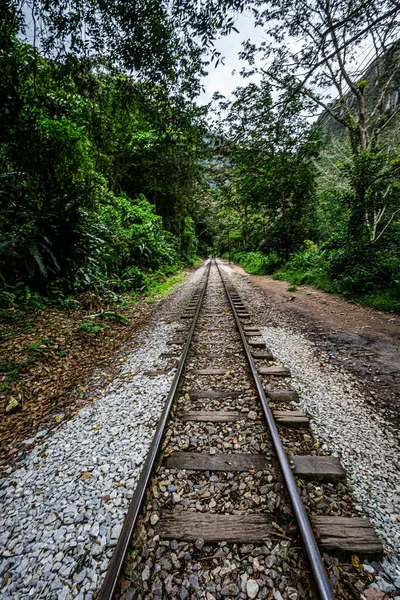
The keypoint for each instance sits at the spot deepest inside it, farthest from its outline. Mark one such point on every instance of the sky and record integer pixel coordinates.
(220, 79)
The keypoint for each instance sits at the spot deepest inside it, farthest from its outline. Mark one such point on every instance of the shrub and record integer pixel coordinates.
(257, 263)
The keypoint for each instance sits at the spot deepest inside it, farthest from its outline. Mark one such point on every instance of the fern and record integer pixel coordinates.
(39, 260)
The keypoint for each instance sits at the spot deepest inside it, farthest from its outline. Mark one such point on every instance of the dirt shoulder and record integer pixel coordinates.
(364, 341)
(48, 357)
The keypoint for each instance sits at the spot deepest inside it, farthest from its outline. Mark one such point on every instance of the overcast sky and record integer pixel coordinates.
(220, 79)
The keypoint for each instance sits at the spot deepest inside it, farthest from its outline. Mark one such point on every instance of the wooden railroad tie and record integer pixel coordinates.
(318, 468)
(291, 418)
(346, 536)
(340, 535)
(256, 342)
(185, 525)
(274, 370)
(313, 468)
(202, 461)
(210, 371)
(211, 416)
(201, 394)
(263, 354)
(282, 395)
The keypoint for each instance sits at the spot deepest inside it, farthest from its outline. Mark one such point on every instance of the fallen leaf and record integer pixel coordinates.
(5, 579)
(85, 475)
(355, 561)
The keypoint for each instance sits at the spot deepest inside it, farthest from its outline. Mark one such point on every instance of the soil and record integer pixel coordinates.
(46, 361)
(362, 340)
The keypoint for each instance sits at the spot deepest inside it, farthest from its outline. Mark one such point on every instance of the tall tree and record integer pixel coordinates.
(313, 49)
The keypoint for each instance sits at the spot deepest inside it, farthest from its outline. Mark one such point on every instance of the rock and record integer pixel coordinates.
(374, 594)
(29, 442)
(292, 593)
(368, 568)
(252, 588)
(154, 519)
(194, 580)
(13, 405)
(199, 544)
(146, 573)
(252, 415)
(183, 593)
(230, 590)
(115, 531)
(80, 577)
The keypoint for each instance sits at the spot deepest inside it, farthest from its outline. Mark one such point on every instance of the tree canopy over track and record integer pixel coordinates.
(112, 174)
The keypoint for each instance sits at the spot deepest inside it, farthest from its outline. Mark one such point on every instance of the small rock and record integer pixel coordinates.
(252, 415)
(199, 544)
(374, 594)
(252, 588)
(146, 573)
(194, 580)
(154, 519)
(292, 593)
(230, 590)
(368, 568)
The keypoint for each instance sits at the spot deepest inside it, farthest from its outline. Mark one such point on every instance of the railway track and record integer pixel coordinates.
(218, 491)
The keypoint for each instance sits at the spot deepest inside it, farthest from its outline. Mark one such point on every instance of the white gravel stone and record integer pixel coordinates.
(366, 442)
(362, 438)
(252, 588)
(49, 512)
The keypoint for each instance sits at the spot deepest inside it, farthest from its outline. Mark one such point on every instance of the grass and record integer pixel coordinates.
(159, 289)
(379, 300)
(311, 268)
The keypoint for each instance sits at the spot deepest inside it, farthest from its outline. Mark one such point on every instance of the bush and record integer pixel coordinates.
(257, 263)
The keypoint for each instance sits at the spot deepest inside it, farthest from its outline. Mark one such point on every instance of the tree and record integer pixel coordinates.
(312, 51)
(168, 42)
(267, 177)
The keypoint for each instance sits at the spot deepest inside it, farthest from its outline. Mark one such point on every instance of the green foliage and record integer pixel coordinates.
(96, 175)
(370, 277)
(257, 263)
(90, 328)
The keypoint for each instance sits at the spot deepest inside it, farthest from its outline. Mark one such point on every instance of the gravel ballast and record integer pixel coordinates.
(345, 424)
(63, 509)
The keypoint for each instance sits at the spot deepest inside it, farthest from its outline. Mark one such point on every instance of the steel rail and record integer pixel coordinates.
(115, 565)
(320, 576)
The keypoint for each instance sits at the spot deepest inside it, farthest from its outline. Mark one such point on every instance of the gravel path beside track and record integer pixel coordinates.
(63, 509)
(344, 423)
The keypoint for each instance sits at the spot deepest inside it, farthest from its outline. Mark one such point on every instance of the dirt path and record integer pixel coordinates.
(364, 341)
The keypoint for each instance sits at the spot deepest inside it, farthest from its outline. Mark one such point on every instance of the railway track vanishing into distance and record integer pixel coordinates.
(220, 434)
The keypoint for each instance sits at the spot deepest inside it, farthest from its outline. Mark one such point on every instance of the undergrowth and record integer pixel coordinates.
(366, 276)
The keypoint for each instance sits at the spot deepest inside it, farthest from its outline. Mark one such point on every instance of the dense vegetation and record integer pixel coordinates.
(113, 177)
(101, 175)
(318, 201)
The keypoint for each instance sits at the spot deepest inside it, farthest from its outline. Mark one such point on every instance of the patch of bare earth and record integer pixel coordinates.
(46, 362)
(359, 339)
